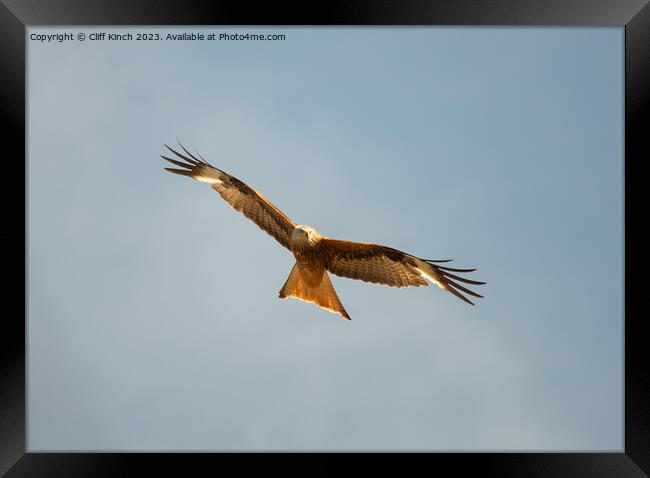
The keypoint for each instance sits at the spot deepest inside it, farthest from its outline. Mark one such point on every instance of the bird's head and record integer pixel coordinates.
(303, 234)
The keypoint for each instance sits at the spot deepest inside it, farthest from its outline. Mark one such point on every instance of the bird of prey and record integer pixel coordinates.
(315, 254)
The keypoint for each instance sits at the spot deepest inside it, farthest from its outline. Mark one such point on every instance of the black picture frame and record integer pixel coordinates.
(17, 15)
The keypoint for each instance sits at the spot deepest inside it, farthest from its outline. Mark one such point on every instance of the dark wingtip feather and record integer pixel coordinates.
(462, 279)
(460, 287)
(182, 156)
(459, 295)
(182, 172)
(455, 269)
(188, 153)
(197, 152)
(178, 163)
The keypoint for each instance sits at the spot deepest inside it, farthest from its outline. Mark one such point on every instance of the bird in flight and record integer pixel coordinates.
(315, 254)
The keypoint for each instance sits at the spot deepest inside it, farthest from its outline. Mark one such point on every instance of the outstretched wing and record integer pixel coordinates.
(240, 196)
(385, 265)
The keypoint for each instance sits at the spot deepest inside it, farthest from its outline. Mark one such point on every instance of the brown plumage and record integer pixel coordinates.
(316, 254)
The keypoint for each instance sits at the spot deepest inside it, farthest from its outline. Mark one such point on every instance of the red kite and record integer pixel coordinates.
(315, 254)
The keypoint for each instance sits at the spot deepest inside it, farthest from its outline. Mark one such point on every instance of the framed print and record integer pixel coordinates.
(372, 143)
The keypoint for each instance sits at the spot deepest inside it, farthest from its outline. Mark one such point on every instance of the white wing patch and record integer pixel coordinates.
(431, 279)
(208, 175)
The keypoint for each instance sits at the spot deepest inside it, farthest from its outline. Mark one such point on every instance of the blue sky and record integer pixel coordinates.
(153, 317)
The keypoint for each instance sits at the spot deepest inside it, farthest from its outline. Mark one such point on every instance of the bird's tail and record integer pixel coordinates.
(323, 295)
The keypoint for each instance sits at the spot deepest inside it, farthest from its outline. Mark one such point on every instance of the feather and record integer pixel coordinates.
(462, 279)
(182, 172)
(191, 161)
(177, 163)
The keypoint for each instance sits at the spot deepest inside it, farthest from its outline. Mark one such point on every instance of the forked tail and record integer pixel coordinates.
(323, 295)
